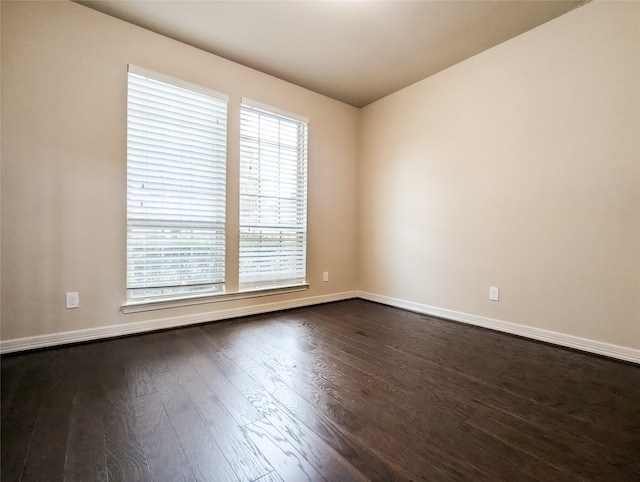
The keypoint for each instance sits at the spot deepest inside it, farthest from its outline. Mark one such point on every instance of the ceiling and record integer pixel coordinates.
(353, 51)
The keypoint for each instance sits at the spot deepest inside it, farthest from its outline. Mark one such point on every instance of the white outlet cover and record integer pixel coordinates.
(494, 293)
(72, 300)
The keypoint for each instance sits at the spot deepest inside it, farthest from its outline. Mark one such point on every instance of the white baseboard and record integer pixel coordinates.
(584, 344)
(92, 334)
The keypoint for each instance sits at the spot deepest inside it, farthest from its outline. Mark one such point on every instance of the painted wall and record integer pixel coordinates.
(64, 81)
(518, 168)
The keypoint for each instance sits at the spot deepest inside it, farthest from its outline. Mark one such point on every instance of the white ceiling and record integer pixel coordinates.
(353, 51)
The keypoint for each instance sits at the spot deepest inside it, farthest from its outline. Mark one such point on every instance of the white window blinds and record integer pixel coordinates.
(273, 198)
(176, 176)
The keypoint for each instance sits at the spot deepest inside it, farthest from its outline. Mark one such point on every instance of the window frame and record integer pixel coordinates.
(233, 110)
(205, 224)
(299, 228)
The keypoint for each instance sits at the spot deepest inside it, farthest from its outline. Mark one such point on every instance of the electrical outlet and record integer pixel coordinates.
(73, 300)
(325, 276)
(494, 293)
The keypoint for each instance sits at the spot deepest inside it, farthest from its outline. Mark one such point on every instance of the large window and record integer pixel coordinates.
(273, 198)
(176, 178)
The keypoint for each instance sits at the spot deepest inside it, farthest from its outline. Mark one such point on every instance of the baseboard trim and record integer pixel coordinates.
(93, 334)
(583, 344)
(112, 331)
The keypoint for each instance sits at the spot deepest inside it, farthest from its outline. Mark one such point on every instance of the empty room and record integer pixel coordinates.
(320, 240)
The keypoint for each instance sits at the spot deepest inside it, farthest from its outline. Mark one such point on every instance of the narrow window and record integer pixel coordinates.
(273, 198)
(176, 179)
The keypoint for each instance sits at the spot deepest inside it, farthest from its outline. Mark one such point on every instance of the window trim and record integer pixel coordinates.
(160, 304)
(274, 110)
(134, 69)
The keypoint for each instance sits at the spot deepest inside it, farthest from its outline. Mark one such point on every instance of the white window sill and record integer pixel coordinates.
(161, 304)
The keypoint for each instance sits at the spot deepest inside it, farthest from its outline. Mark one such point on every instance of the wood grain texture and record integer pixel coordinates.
(86, 453)
(23, 380)
(201, 448)
(165, 456)
(346, 391)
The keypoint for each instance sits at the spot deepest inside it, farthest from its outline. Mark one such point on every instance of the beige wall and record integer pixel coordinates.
(518, 168)
(64, 81)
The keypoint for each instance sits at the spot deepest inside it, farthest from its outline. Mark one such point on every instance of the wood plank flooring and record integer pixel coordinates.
(346, 391)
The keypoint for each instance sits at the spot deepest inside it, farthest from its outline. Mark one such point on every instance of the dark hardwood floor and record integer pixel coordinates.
(344, 391)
